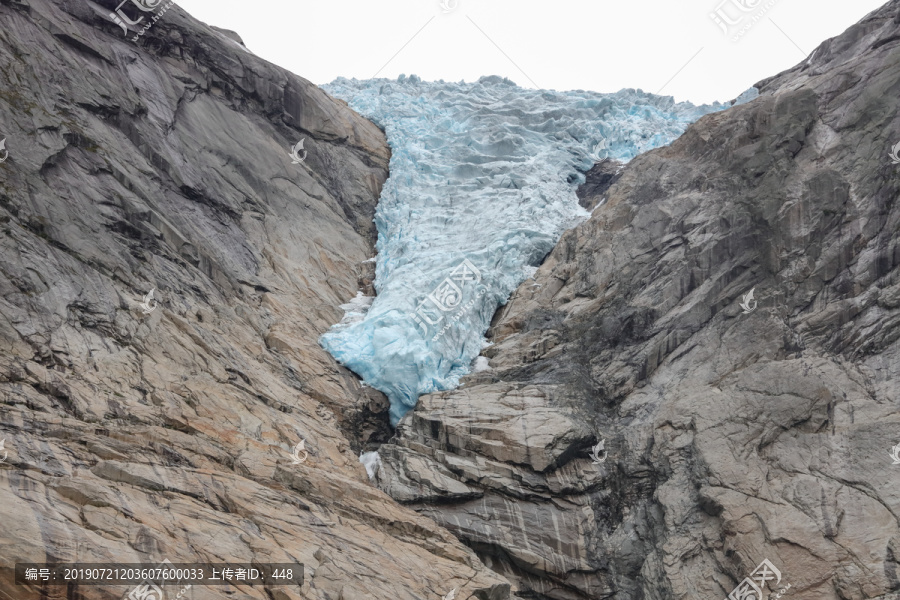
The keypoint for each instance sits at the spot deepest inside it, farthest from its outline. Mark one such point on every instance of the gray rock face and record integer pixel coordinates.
(134, 436)
(732, 435)
(490, 474)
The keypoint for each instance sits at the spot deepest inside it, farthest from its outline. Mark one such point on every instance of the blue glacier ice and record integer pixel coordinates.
(482, 184)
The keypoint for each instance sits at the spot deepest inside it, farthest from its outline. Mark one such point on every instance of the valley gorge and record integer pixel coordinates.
(735, 427)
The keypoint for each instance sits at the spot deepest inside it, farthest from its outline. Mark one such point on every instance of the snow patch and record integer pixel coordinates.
(372, 462)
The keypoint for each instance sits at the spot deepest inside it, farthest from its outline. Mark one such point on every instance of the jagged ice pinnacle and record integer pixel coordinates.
(482, 184)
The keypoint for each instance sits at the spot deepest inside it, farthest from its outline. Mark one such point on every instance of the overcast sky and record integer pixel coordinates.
(674, 47)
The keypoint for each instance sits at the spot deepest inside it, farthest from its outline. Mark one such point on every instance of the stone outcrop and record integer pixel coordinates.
(732, 435)
(163, 164)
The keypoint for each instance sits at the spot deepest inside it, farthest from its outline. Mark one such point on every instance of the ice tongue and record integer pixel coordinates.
(482, 185)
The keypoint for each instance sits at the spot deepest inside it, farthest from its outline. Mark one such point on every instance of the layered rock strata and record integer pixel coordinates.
(166, 431)
(733, 433)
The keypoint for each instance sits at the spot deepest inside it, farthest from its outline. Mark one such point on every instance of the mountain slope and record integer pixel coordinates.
(163, 165)
(730, 436)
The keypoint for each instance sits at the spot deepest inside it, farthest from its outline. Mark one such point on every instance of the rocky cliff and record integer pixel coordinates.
(730, 434)
(138, 429)
(166, 432)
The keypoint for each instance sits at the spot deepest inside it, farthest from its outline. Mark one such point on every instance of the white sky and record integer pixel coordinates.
(601, 45)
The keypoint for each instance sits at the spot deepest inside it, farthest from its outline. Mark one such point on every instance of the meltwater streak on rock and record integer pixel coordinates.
(482, 171)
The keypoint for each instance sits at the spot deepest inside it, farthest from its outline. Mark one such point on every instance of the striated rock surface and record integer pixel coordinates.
(137, 436)
(731, 435)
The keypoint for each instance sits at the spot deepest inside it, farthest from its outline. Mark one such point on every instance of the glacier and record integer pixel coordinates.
(482, 185)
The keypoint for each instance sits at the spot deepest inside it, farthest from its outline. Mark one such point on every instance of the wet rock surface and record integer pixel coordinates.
(732, 435)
